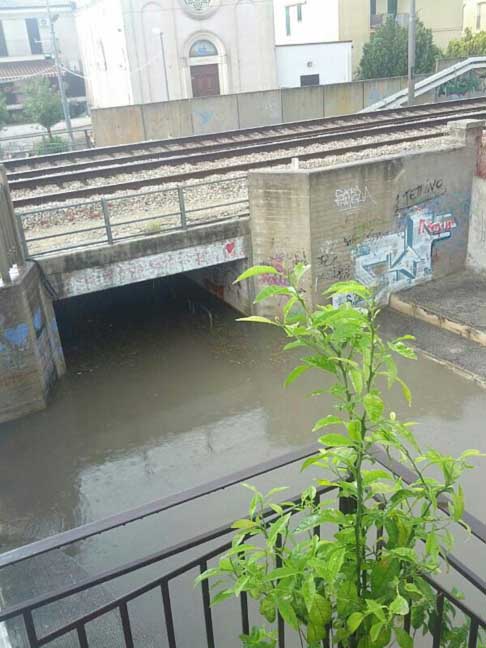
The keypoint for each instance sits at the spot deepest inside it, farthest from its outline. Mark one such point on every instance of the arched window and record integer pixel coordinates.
(203, 48)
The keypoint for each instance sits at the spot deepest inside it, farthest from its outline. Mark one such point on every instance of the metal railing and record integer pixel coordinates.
(178, 210)
(25, 145)
(162, 585)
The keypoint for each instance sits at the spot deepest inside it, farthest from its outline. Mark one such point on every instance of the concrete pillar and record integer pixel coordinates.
(31, 357)
(467, 131)
(280, 227)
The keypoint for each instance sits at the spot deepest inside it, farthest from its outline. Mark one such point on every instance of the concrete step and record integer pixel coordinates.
(463, 356)
(455, 303)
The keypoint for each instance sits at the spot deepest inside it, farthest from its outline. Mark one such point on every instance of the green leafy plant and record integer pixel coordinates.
(54, 145)
(469, 45)
(42, 104)
(386, 54)
(361, 582)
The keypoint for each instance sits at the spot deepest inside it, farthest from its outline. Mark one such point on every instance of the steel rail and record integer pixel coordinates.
(149, 159)
(361, 118)
(38, 199)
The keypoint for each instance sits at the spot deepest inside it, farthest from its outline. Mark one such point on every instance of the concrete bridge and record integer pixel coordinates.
(392, 222)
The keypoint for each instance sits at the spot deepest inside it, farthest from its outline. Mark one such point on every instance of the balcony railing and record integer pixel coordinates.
(168, 566)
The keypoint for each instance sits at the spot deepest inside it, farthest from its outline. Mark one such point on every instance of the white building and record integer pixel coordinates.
(26, 46)
(308, 46)
(140, 51)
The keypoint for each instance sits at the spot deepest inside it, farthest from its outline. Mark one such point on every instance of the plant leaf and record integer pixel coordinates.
(354, 621)
(254, 271)
(294, 374)
(399, 606)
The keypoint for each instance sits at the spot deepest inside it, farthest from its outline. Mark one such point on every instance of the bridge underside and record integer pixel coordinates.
(151, 257)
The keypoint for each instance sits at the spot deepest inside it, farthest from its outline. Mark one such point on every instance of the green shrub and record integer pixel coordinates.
(359, 579)
(54, 145)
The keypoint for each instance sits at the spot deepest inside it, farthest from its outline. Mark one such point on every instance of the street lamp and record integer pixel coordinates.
(158, 31)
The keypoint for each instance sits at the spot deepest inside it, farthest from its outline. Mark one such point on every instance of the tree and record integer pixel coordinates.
(386, 55)
(3, 110)
(469, 45)
(361, 579)
(43, 104)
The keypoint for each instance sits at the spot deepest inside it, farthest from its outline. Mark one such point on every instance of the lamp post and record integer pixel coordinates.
(57, 62)
(158, 31)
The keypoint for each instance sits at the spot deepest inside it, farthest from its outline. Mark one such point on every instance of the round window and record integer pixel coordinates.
(200, 8)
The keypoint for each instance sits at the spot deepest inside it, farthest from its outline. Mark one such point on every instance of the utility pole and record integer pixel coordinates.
(57, 62)
(412, 28)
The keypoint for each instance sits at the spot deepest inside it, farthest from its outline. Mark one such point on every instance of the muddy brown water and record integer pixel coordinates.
(159, 397)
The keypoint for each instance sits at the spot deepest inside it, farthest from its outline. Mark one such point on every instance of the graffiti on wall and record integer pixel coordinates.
(353, 197)
(421, 193)
(403, 259)
(14, 341)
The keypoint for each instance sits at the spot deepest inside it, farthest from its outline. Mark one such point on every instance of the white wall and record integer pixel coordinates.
(102, 40)
(17, 38)
(242, 31)
(320, 21)
(332, 61)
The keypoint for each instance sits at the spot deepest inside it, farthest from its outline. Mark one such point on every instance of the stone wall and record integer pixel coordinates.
(31, 357)
(389, 222)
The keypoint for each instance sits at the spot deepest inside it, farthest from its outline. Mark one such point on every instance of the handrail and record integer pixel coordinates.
(478, 528)
(430, 83)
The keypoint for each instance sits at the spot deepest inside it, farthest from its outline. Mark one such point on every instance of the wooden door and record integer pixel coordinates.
(205, 80)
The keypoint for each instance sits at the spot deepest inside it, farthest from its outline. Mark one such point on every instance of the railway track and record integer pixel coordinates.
(421, 122)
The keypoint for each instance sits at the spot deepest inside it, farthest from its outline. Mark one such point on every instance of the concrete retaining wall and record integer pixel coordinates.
(31, 357)
(476, 258)
(123, 124)
(391, 223)
(219, 281)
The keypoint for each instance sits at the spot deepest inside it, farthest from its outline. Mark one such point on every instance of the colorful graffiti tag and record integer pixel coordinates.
(401, 260)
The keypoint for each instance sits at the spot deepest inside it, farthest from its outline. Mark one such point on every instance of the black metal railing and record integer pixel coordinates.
(161, 585)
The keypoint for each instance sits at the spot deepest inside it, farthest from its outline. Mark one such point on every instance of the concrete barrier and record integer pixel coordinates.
(167, 119)
(213, 114)
(391, 223)
(377, 89)
(259, 108)
(337, 102)
(186, 117)
(118, 125)
(302, 103)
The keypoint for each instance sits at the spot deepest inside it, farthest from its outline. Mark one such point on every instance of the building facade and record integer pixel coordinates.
(141, 51)
(475, 15)
(354, 21)
(26, 47)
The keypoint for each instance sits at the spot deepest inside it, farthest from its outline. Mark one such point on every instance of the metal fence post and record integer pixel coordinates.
(182, 207)
(106, 216)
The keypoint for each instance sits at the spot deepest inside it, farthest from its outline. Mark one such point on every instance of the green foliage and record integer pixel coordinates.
(469, 45)
(42, 104)
(386, 54)
(53, 145)
(359, 579)
(4, 114)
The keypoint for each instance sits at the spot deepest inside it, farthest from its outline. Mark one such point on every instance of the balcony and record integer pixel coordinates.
(378, 20)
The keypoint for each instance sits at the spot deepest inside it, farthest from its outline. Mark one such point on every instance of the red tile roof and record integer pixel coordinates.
(19, 70)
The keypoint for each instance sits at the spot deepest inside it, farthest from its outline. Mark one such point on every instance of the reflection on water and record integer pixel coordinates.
(156, 401)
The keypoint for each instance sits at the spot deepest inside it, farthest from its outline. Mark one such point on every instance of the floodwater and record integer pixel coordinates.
(165, 391)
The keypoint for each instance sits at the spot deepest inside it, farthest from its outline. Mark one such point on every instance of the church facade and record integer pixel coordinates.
(141, 51)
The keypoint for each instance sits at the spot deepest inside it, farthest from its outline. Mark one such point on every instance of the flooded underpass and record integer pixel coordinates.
(166, 391)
